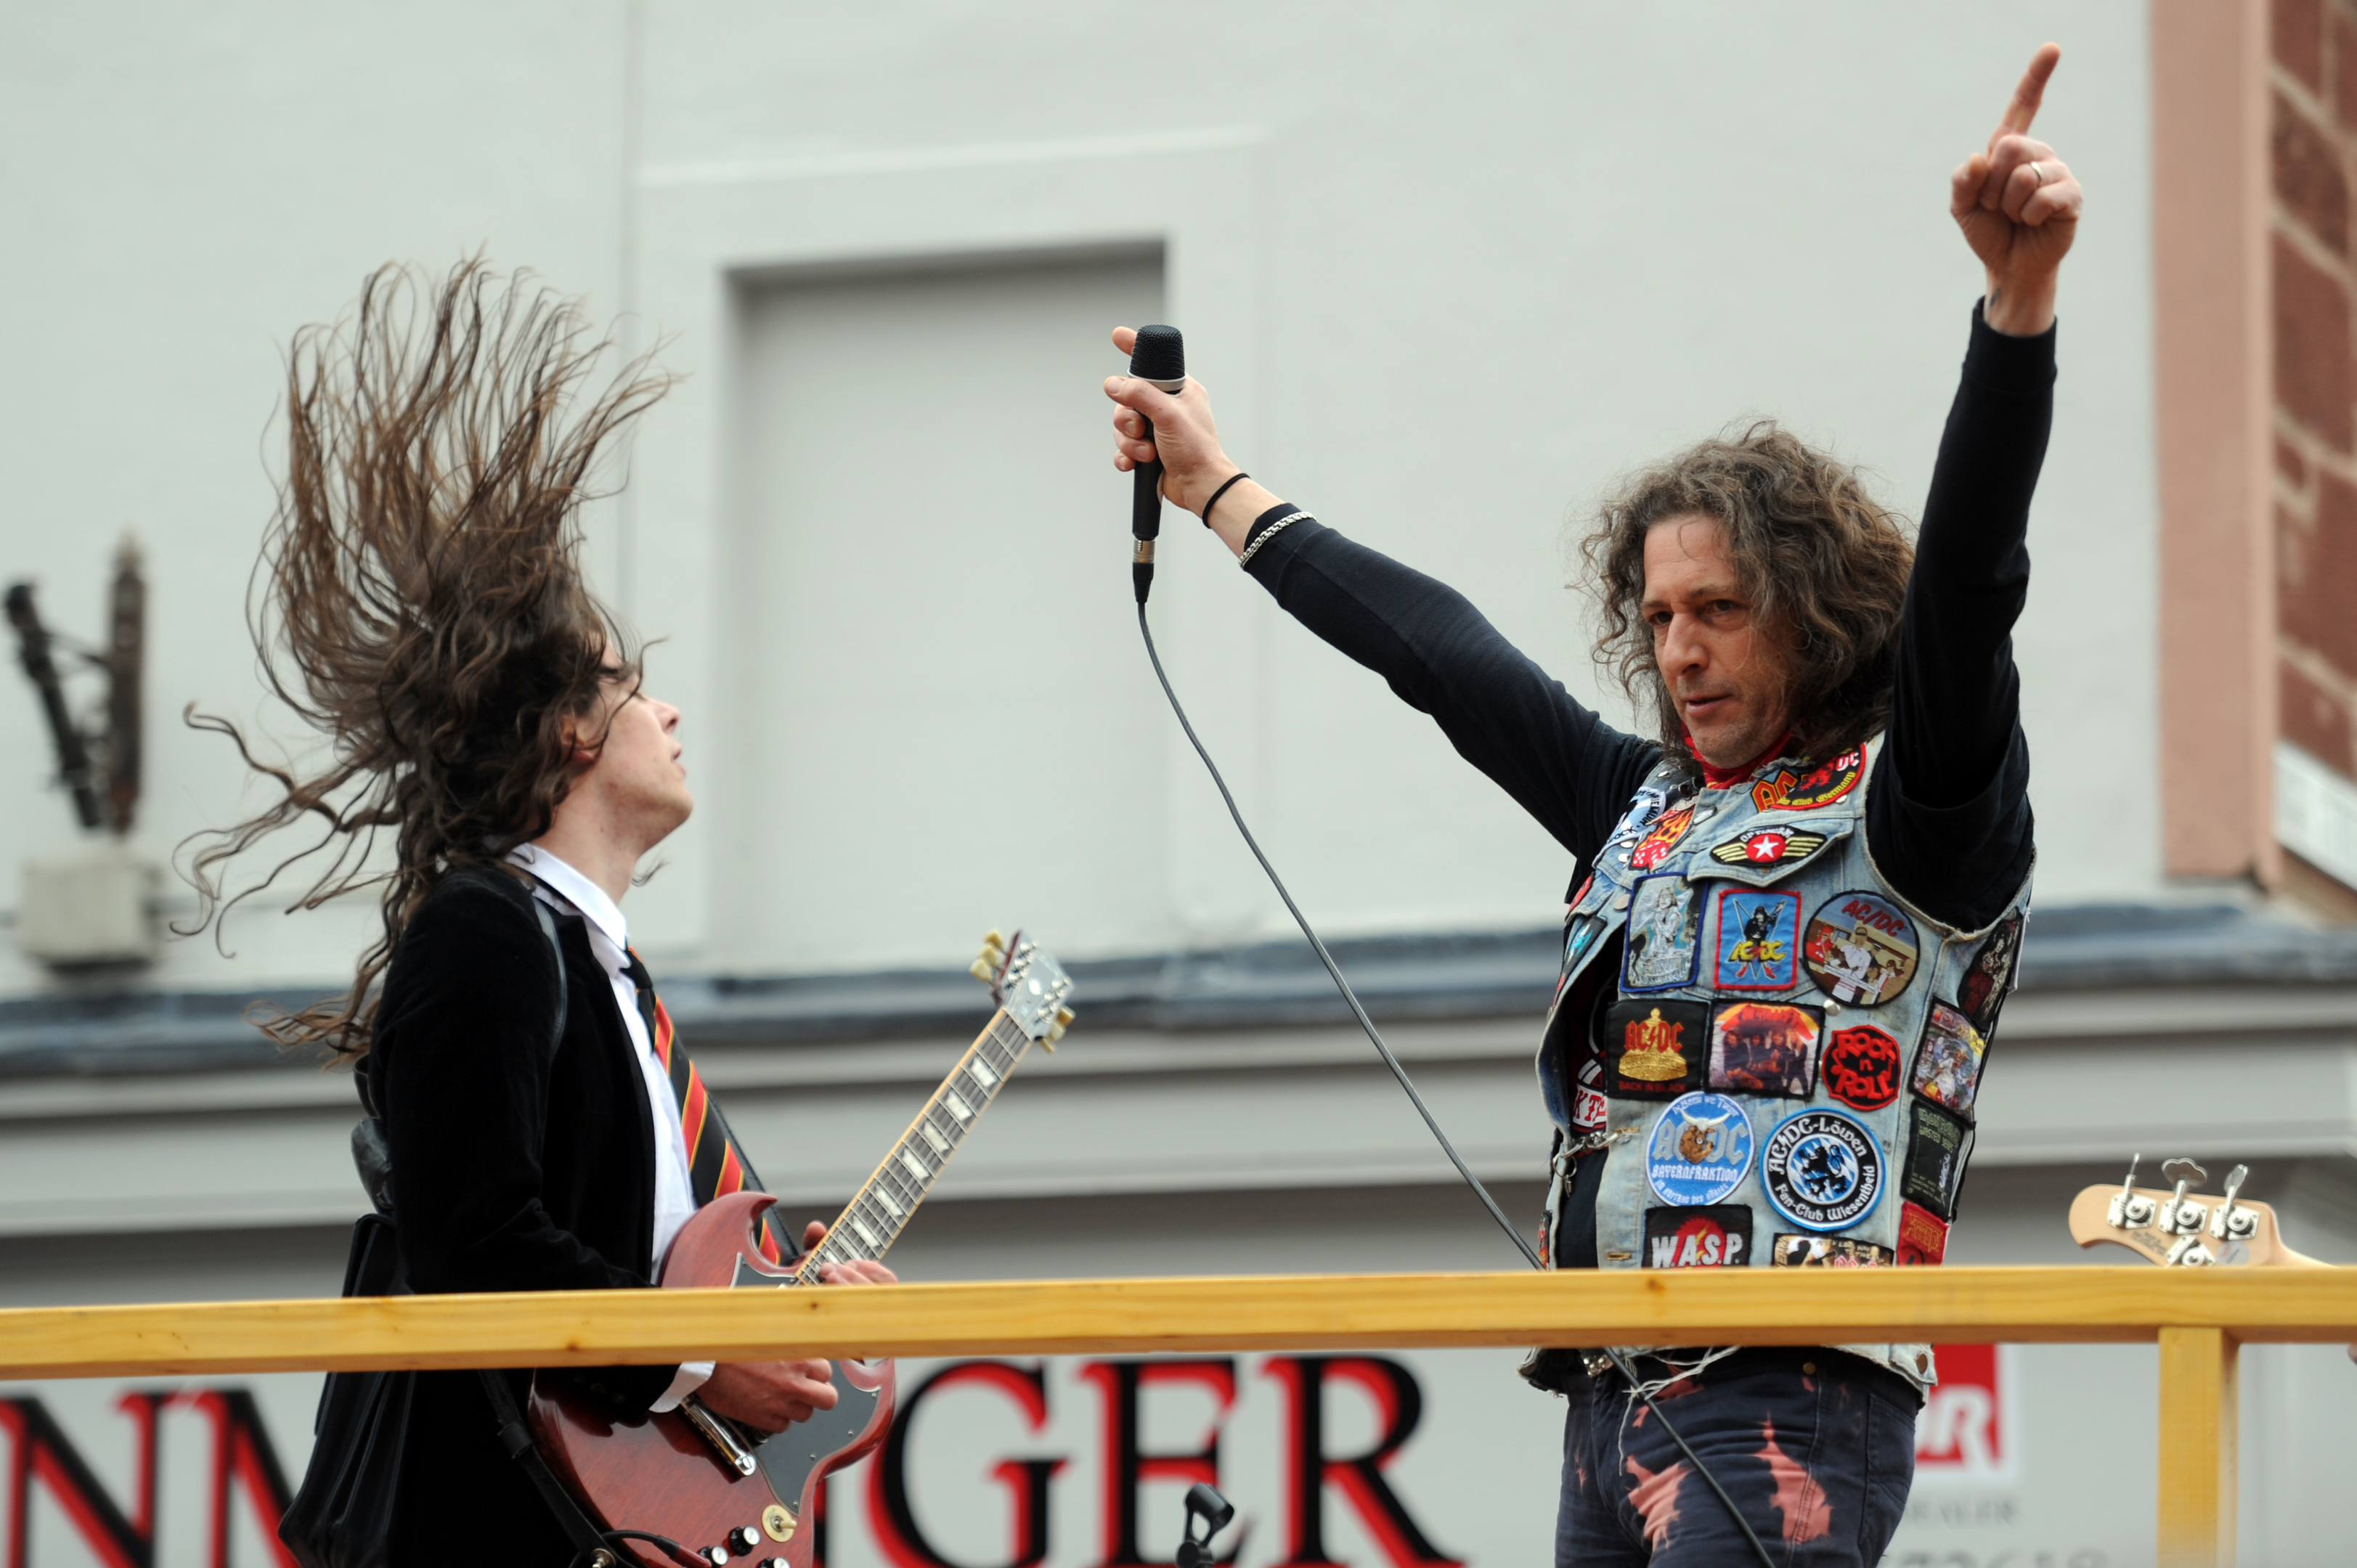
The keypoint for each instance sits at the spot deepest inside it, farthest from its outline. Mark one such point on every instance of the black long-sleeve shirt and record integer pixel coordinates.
(1947, 814)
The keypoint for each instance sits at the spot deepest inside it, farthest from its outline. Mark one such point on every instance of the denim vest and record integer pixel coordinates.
(1786, 1053)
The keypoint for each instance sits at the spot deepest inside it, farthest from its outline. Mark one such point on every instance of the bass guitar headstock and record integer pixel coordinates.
(1028, 985)
(2179, 1228)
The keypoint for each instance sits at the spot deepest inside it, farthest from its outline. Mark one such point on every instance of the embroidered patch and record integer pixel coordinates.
(1821, 785)
(1923, 1237)
(1859, 948)
(1662, 838)
(1769, 846)
(1653, 1050)
(1791, 1251)
(1713, 1236)
(1645, 808)
(1588, 1110)
(1822, 1169)
(1938, 1145)
(1981, 991)
(1664, 934)
(1699, 1151)
(1758, 940)
(1860, 1067)
(1765, 1048)
(1578, 939)
(1948, 1062)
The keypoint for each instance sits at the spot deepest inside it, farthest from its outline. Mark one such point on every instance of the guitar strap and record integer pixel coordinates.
(516, 1438)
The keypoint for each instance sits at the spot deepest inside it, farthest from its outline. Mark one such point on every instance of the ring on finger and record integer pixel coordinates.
(2037, 173)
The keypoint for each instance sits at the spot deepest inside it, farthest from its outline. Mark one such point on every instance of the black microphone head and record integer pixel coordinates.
(1160, 355)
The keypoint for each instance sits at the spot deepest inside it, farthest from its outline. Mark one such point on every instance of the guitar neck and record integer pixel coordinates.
(872, 1220)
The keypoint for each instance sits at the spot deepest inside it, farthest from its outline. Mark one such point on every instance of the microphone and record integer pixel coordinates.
(1160, 357)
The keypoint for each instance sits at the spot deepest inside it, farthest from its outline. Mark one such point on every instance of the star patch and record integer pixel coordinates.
(1769, 846)
(1653, 1050)
(1758, 940)
(1988, 980)
(1821, 785)
(1765, 1048)
(1938, 1145)
(1860, 1067)
(1923, 1237)
(1822, 1169)
(1859, 948)
(1711, 1236)
(1699, 1150)
(1664, 934)
(1948, 1062)
(1791, 1251)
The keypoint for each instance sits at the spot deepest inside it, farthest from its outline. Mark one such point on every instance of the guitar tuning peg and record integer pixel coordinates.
(1064, 1016)
(995, 937)
(982, 969)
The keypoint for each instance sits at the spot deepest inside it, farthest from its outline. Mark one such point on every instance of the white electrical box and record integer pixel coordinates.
(96, 906)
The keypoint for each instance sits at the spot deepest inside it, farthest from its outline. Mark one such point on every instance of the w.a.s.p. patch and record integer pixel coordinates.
(1785, 790)
(1653, 1049)
(1706, 1235)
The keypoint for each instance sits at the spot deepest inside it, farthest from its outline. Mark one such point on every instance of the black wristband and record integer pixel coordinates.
(1233, 481)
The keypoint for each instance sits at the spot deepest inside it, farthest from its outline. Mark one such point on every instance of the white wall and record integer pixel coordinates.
(1446, 273)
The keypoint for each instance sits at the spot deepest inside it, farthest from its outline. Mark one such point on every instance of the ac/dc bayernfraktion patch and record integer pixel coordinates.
(1859, 948)
(1981, 993)
(1922, 1236)
(1860, 1067)
(1822, 1169)
(1769, 846)
(1765, 1048)
(1821, 785)
(1938, 1145)
(1948, 1063)
(1758, 940)
(1664, 941)
(1653, 1049)
(1699, 1150)
(1790, 1252)
(1708, 1236)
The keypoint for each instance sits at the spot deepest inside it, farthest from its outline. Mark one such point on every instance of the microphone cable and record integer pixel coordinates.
(1530, 1253)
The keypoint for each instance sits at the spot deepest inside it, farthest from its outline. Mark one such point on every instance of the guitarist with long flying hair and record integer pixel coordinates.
(420, 604)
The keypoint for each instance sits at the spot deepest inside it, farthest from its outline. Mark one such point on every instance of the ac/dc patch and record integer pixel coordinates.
(1860, 949)
(1948, 1062)
(1664, 934)
(1706, 1236)
(1822, 1169)
(1923, 1237)
(1938, 1145)
(1821, 785)
(1765, 1048)
(1790, 1252)
(1758, 940)
(1699, 1150)
(1653, 1050)
(1981, 993)
(1860, 1067)
(1769, 846)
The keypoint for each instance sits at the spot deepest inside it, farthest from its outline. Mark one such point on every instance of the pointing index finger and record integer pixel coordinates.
(2030, 93)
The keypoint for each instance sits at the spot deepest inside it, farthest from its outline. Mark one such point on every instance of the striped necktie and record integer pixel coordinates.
(716, 1166)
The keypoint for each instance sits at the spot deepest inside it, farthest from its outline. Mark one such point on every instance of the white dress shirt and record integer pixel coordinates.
(569, 892)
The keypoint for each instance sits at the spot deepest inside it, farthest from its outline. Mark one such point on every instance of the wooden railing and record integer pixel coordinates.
(2197, 1317)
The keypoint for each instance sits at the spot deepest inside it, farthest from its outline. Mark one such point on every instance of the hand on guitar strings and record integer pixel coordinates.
(770, 1396)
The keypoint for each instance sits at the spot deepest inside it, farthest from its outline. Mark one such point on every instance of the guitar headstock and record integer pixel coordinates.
(1028, 985)
(2178, 1227)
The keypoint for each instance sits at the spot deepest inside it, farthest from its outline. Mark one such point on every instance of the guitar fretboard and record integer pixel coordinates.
(872, 1220)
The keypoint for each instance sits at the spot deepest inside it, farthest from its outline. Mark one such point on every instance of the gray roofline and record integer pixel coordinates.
(1462, 975)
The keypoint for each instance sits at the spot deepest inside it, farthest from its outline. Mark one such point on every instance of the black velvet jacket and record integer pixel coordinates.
(519, 1163)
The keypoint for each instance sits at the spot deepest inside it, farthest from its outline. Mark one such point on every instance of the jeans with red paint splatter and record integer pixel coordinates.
(1816, 1448)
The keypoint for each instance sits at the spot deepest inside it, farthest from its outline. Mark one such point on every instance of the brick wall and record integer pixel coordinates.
(2313, 136)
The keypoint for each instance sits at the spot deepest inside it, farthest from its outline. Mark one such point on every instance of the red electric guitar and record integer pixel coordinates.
(719, 1490)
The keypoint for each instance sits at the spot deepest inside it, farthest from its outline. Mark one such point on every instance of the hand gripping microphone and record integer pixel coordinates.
(1159, 356)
